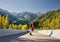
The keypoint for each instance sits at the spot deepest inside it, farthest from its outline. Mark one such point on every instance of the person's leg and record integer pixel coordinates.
(30, 32)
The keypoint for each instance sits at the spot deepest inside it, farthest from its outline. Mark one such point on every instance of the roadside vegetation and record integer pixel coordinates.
(50, 20)
(4, 24)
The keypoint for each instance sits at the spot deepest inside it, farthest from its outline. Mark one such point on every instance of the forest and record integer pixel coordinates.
(49, 20)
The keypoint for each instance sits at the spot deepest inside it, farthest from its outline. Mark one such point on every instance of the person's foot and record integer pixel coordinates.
(30, 34)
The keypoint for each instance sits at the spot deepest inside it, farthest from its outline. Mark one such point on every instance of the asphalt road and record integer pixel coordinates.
(25, 37)
(11, 37)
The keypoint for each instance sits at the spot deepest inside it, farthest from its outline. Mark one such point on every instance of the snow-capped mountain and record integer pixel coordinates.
(27, 16)
(19, 17)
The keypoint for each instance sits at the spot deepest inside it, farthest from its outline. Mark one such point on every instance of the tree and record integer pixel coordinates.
(3, 22)
(0, 21)
(10, 26)
(6, 22)
(24, 27)
(19, 26)
(15, 27)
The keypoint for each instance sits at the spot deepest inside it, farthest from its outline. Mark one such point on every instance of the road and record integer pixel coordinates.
(36, 37)
(11, 37)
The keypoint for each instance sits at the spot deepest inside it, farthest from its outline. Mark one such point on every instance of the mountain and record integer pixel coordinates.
(14, 13)
(27, 16)
(49, 20)
(11, 17)
(18, 18)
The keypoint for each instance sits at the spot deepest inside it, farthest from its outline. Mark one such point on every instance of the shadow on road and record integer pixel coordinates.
(10, 37)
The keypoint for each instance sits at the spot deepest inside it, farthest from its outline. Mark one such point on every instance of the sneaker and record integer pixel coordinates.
(30, 34)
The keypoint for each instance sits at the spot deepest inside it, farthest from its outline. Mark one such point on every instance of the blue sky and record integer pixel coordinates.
(30, 5)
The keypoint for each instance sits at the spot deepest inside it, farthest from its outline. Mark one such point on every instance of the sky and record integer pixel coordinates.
(30, 5)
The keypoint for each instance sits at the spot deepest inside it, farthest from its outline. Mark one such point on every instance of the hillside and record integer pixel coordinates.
(26, 16)
(50, 20)
(19, 18)
(6, 13)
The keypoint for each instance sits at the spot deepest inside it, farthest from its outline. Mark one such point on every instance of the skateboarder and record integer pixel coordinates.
(31, 28)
